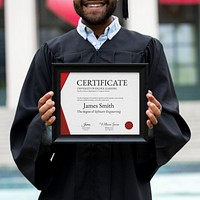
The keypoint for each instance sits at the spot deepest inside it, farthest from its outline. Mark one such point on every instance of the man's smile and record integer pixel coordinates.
(94, 4)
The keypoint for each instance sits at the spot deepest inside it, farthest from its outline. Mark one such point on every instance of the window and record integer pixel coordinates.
(50, 25)
(179, 28)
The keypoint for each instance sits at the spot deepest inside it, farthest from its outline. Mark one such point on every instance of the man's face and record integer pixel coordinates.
(95, 12)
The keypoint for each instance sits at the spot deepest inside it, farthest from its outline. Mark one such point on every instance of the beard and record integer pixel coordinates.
(96, 18)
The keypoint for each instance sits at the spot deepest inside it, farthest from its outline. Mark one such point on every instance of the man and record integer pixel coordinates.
(96, 171)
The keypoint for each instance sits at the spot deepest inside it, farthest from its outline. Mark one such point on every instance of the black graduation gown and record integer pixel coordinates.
(96, 171)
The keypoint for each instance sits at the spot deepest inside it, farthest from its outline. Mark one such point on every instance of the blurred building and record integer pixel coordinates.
(25, 25)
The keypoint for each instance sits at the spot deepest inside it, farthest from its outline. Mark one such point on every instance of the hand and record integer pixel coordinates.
(154, 110)
(46, 108)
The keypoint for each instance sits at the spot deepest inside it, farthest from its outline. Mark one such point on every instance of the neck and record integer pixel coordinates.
(99, 29)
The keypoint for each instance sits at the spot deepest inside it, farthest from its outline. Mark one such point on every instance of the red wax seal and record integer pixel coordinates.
(129, 125)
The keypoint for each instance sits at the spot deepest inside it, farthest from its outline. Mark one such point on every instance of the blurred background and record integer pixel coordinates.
(25, 25)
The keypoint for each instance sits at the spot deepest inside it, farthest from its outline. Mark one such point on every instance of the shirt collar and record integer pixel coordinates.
(110, 31)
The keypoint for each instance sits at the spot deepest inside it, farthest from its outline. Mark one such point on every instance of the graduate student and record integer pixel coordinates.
(105, 171)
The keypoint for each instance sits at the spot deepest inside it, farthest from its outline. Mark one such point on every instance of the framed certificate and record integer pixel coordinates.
(99, 102)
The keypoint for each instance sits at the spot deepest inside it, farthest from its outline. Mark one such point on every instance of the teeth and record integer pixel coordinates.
(94, 5)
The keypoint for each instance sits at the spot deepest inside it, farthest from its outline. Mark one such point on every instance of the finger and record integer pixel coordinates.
(48, 105)
(48, 114)
(149, 124)
(50, 121)
(154, 109)
(46, 97)
(152, 99)
(152, 117)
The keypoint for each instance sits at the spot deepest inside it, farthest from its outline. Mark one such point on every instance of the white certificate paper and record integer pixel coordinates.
(100, 103)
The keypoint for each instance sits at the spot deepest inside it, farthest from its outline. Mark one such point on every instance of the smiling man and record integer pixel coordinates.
(106, 171)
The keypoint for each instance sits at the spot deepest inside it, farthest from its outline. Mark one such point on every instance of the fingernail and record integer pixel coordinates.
(148, 103)
(51, 93)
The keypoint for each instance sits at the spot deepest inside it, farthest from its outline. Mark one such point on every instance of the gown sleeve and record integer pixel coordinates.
(27, 128)
(172, 132)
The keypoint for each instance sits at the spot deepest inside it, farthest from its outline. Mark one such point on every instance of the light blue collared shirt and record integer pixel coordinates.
(109, 33)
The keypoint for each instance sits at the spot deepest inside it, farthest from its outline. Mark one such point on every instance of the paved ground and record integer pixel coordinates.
(176, 187)
(177, 182)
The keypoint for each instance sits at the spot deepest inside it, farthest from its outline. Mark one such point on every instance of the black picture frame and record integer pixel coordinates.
(59, 68)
